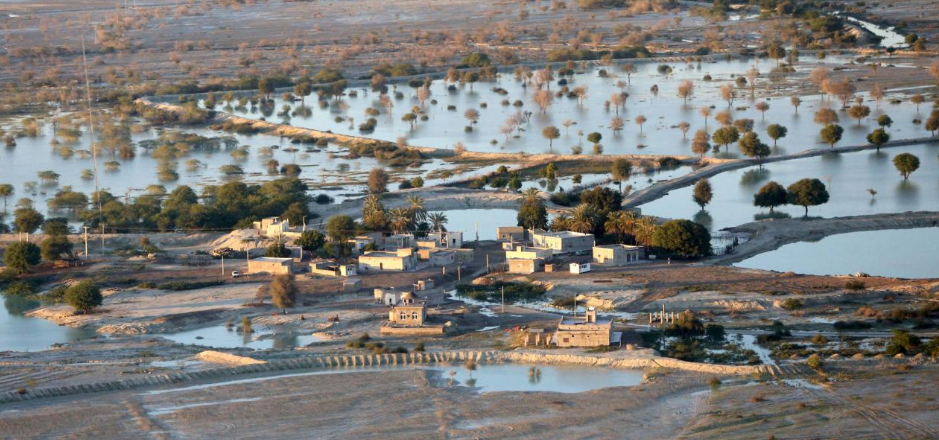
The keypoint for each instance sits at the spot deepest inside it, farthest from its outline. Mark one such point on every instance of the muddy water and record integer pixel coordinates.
(659, 135)
(848, 177)
(21, 333)
(906, 253)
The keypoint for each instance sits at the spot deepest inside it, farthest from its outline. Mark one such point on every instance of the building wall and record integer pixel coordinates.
(524, 266)
(408, 315)
(615, 256)
(584, 338)
(384, 263)
(271, 267)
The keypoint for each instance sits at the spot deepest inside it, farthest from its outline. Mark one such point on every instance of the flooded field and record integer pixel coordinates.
(495, 102)
(880, 253)
(21, 333)
(848, 177)
(222, 337)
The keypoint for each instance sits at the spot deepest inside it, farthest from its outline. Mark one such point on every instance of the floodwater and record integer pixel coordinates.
(485, 378)
(902, 253)
(22, 333)
(848, 177)
(663, 111)
(889, 37)
(637, 181)
(222, 337)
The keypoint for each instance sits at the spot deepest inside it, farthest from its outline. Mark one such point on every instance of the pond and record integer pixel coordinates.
(848, 177)
(889, 253)
(22, 333)
(663, 111)
(222, 337)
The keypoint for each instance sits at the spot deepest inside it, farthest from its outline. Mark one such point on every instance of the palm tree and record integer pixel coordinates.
(644, 230)
(401, 220)
(437, 221)
(560, 223)
(416, 210)
(620, 223)
(583, 219)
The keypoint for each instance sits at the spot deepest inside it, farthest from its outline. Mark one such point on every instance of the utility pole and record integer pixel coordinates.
(102, 239)
(86, 242)
(223, 266)
(503, 298)
(476, 227)
(304, 223)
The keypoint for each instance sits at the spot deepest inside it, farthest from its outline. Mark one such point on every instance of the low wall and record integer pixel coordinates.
(436, 330)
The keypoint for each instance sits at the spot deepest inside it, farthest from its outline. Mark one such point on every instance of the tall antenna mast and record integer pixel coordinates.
(91, 131)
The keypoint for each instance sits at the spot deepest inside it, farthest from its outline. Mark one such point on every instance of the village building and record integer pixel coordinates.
(388, 296)
(331, 268)
(579, 268)
(408, 311)
(352, 285)
(399, 241)
(563, 242)
(525, 266)
(528, 253)
(586, 331)
(511, 233)
(359, 242)
(616, 254)
(399, 260)
(437, 257)
(271, 265)
(447, 239)
(424, 285)
(272, 226)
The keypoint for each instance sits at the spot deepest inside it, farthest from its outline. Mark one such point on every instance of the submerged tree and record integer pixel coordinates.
(770, 196)
(703, 193)
(906, 164)
(807, 192)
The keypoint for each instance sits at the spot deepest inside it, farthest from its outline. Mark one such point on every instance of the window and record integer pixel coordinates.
(414, 315)
(403, 316)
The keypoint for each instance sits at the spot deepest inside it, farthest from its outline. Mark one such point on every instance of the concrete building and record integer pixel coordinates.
(272, 226)
(332, 269)
(399, 260)
(511, 233)
(586, 331)
(563, 242)
(440, 258)
(359, 242)
(409, 311)
(579, 268)
(526, 265)
(616, 254)
(352, 285)
(424, 285)
(388, 296)
(447, 239)
(271, 265)
(399, 241)
(528, 253)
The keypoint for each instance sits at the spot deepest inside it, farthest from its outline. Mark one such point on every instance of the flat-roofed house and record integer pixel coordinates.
(528, 253)
(399, 241)
(511, 233)
(587, 331)
(399, 260)
(447, 239)
(563, 242)
(271, 265)
(616, 254)
(525, 265)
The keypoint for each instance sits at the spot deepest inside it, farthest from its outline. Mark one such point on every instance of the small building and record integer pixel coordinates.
(525, 266)
(399, 260)
(563, 242)
(408, 311)
(296, 252)
(440, 258)
(271, 265)
(587, 331)
(399, 241)
(579, 268)
(424, 284)
(332, 269)
(511, 233)
(388, 296)
(272, 226)
(359, 242)
(426, 244)
(616, 254)
(352, 285)
(447, 239)
(528, 253)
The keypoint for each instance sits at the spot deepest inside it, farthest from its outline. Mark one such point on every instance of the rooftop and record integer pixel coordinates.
(382, 254)
(580, 320)
(563, 234)
(271, 259)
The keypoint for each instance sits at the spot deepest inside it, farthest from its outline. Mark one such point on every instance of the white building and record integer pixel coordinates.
(563, 242)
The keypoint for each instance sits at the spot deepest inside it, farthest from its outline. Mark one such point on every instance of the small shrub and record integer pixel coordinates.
(855, 285)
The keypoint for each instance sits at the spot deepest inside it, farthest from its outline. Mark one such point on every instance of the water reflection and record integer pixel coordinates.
(21, 333)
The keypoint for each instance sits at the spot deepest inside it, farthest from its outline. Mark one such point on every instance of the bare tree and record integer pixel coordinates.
(686, 90)
(684, 127)
(796, 102)
(728, 92)
(544, 98)
(617, 100)
(617, 124)
(640, 120)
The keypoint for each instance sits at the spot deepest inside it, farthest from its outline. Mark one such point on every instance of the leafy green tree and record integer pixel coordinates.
(532, 214)
(751, 145)
(265, 86)
(296, 213)
(551, 133)
(476, 59)
(831, 134)
(277, 250)
(19, 256)
(906, 163)
(903, 342)
(770, 196)
(27, 220)
(377, 181)
(340, 228)
(807, 192)
(878, 138)
(594, 138)
(6, 190)
(622, 169)
(726, 136)
(776, 132)
(311, 240)
(83, 296)
(703, 193)
(55, 226)
(884, 121)
(55, 247)
(682, 239)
